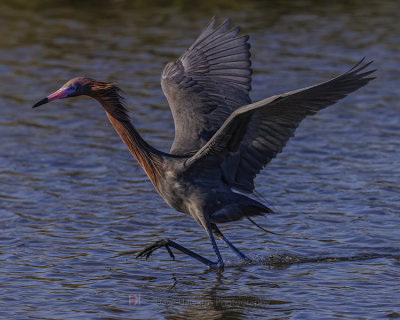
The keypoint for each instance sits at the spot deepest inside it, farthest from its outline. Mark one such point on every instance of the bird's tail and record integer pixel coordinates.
(242, 207)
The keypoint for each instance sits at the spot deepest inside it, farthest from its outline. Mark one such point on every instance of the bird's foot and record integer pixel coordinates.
(218, 265)
(153, 247)
(168, 244)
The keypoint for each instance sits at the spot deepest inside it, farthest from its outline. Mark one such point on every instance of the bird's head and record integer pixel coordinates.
(74, 87)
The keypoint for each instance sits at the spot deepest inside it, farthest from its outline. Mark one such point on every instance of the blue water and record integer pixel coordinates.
(75, 207)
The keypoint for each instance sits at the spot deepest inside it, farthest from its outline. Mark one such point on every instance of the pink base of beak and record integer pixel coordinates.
(59, 94)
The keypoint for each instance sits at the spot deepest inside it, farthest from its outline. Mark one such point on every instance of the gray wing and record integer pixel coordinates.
(206, 84)
(254, 134)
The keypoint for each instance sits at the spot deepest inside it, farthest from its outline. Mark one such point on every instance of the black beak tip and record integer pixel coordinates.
(43, 101)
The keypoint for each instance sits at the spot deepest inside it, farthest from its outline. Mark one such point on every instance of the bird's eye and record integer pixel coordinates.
(73, 88)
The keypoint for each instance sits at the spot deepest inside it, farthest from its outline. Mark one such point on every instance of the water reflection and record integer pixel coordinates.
(72, 199)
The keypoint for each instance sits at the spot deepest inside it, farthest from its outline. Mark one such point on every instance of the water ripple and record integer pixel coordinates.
(75, 208)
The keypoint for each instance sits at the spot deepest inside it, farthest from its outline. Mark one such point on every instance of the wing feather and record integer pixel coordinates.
(269, 124)
(206, 84)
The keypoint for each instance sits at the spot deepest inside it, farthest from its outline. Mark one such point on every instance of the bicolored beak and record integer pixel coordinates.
(59, 94)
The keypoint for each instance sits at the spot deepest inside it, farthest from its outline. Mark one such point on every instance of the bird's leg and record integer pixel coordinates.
(169, 243)
(220, 263)
(219, 234)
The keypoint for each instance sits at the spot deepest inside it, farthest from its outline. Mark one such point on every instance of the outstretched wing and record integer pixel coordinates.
(206, 84)
(256, 133)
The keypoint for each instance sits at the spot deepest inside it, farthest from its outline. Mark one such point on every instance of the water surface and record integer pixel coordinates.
(74, 204)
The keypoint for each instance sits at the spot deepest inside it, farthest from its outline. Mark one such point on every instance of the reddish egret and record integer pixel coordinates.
(222, 139)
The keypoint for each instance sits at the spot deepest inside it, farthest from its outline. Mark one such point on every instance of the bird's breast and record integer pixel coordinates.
(182, 193)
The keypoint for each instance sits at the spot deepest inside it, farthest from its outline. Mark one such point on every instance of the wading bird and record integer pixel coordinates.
(222, 139)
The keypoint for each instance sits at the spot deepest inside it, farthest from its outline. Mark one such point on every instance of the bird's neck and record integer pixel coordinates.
(149, 158)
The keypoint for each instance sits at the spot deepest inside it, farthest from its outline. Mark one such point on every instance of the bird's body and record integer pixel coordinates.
(222, 139)
(203, 192)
